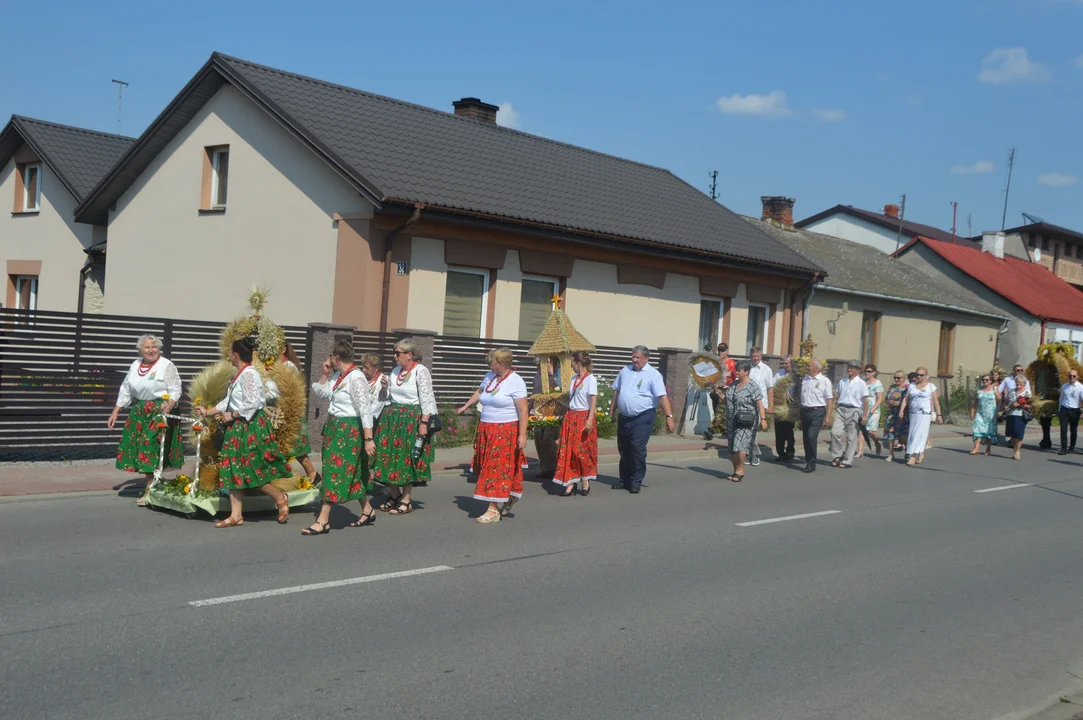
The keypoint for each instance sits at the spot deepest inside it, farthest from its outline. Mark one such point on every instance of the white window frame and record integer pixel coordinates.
(37, 189)
(216, 156)
(484, 293)
(537, 278)
(766, 323)
(33, 280)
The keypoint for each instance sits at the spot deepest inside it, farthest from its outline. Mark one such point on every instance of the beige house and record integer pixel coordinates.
(373, 212)
(52, 262)
(880, 310)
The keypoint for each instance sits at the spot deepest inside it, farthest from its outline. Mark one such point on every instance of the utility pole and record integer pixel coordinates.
(120, 100)
(714, 184)
(954, 213)
(1007, 188)
(902, 214)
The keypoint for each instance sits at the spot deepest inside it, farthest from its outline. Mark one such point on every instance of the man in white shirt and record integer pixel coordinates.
(1071, 393)
(784, 441)
(762, 375)
(637, 391)
(1009, 382)
(816, 399)
(849, 415)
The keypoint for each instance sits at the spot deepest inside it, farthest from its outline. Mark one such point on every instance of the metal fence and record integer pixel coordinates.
(60, 372)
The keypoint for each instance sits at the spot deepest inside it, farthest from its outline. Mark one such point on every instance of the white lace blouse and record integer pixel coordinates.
(381, 395)
(351, 397)
(415, 389)
(246, 395)
(163, 379)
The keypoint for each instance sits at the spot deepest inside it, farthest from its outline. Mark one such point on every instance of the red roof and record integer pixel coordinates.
(1027, 284)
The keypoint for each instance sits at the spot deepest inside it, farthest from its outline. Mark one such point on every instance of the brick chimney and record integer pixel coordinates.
(892, 211)
(471, 107)
(778, 209)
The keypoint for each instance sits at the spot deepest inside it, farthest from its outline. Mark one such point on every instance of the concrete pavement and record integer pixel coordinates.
(919, 598)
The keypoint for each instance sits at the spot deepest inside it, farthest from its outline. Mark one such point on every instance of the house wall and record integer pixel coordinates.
(606, 311)
(860, 231)
(909, 334)
(1023, 336)
(50, 236)
(278, 229)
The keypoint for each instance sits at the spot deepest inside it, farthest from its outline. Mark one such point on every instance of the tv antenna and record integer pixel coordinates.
(714, 184)
(1007, 188)
(120, 100)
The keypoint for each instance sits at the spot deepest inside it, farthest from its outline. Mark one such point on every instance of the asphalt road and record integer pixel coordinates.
(920, 598)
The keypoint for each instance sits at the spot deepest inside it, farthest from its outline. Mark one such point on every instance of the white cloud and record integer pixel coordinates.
(507, 116)
(1057, 180)
(771, 104)
(1006, 65)
(915, 101)
(829, 116)
(978, 168)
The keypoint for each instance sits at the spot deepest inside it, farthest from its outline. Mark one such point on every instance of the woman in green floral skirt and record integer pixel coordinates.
(345, 458)
(152, 388)
(250, 457)
(401, 423)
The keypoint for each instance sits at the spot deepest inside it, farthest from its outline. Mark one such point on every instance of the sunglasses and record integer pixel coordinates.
(869, 370)
(923, 374)
(899, 377)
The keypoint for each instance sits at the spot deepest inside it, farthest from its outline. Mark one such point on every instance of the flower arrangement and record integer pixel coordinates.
(182, 485)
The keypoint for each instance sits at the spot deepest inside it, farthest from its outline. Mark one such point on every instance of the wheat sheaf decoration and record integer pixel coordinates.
(270, 339)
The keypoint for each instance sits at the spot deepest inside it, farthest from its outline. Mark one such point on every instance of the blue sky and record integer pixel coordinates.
(855, 104)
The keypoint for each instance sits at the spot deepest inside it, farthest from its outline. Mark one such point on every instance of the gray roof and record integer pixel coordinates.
(395, 152)
(909, 228)
(861, 268)
(79, 157)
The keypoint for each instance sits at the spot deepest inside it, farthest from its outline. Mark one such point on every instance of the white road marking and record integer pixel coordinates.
(1003, 487)
(788, 517)
(318, 586)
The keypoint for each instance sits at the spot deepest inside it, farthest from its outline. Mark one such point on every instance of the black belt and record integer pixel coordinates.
(852, 407)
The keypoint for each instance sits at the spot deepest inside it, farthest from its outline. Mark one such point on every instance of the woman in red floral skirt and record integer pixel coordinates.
(345, 456)
(577, 459)
(501, 436)
(250, 457)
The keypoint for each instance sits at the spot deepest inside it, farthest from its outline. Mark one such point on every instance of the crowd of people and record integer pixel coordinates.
(379, 427)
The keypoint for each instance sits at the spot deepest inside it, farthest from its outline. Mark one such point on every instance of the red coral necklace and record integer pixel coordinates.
(579, 380)
(342, 377)
(403, 376)
(145, 369)
(491, 388)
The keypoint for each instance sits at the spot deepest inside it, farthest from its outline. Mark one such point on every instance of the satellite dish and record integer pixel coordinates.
(1037, 255)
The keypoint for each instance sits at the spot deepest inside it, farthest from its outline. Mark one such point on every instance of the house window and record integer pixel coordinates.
(947, 341)
(535, 304)
(870, 336)
(464, 302)
(709, 310)
(758, 316)
(29, 200)
(219, 176)
(26, 292)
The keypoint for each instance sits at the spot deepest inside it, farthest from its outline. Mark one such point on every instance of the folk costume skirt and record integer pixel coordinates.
(395, 435)
(499, 462)
(345, 464)
(302, 447)
(140, 442)
(250, 457)
(577, 456)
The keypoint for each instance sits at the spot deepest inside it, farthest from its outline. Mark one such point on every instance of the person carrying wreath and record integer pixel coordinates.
(152, 388)
(577, 455)
(249, 456)
(501, 436)
(346, 453)
(401, 424)
(301, 448)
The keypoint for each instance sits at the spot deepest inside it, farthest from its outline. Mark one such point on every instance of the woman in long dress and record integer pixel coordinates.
(152, 388)
(983, 414)
(347, 438)
(250, 456)
(577, 453)
(402, 423)
(872, 405)
(501, 440)
(743, 398)
(896, 424)
(922, 404)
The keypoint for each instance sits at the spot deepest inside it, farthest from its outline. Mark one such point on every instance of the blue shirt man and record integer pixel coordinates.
(638, 389)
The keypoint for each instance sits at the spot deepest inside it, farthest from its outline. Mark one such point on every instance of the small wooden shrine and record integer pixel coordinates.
(558, 340)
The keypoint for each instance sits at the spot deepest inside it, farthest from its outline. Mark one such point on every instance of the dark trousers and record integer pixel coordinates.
(545, 442)
(784, 439)
(632, 435)
(1069, 418)
(812, 419)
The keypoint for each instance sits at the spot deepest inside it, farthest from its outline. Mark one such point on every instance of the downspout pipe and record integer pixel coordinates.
(83, 272)
(389, 242)
(805, 313)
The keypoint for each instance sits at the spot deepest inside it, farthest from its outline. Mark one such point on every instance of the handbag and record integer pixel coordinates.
(435, 425)
(1027, 415)
(745, 419)
(220, 429)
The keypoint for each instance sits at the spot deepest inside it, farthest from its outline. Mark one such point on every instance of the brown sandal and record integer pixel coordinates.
(229, 522)
(283, 519)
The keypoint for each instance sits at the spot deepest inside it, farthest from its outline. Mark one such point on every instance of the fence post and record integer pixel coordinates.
(321, 336)
(78, 341)
(167, 338)
(673, 364)
(425, 340)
